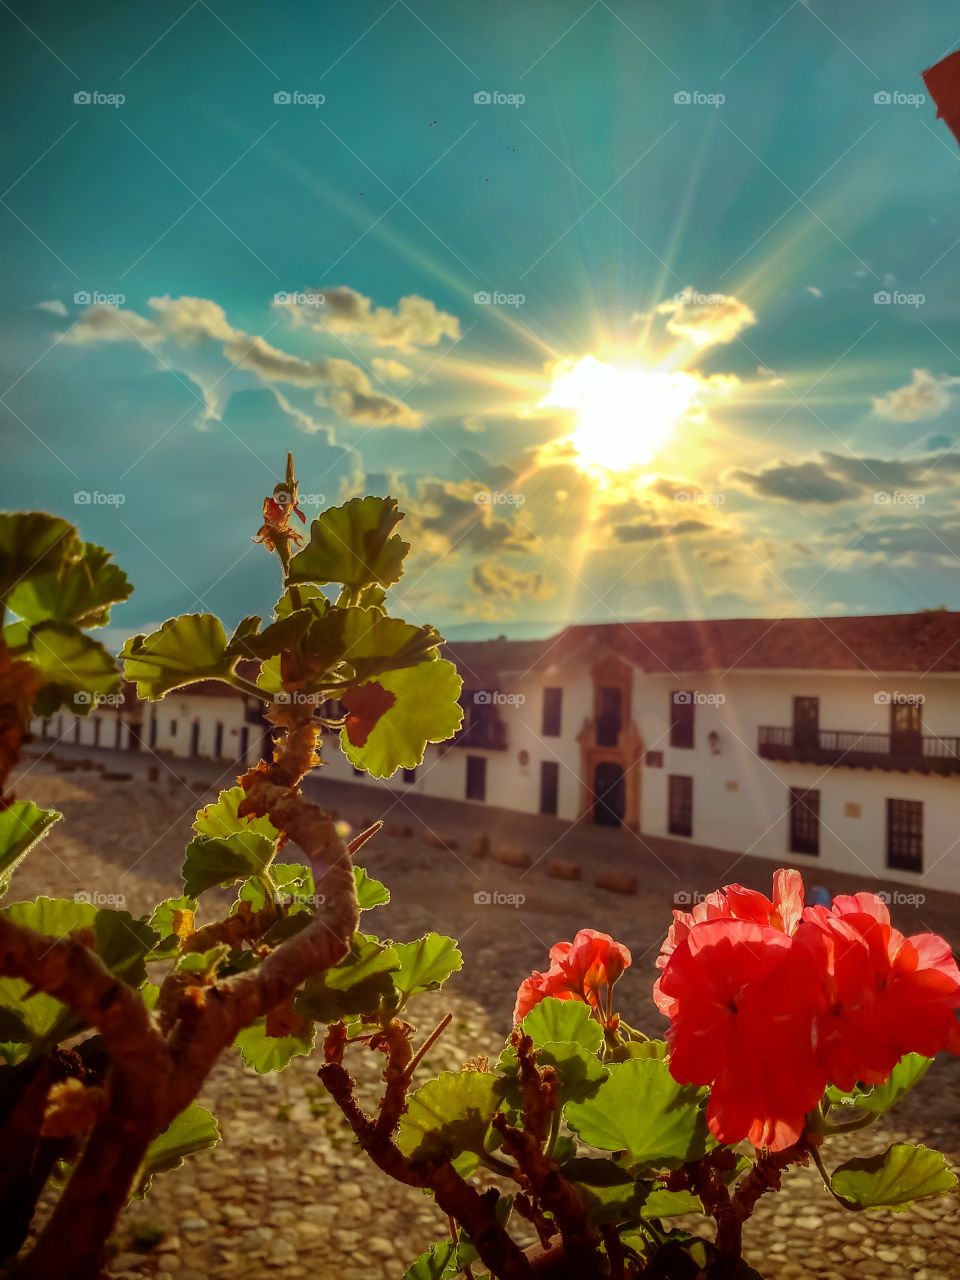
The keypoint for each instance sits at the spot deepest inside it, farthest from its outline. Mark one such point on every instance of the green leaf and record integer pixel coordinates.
(294, 883)
(218, 860)
(448, 1115)
(278, 637)
(426, 710)
(194, 1129)
(22, 825)
(661, 1203)
(355, 986)
(642, 1110)
(80, 589)
(169, 921)
(581, 1072)
(221, 818)
(370, 893)
(369, 641)
(188, 648)
(206, 962)
(554, 1019)
(426, 964)
(272, 1053)
(308, 597)
(120, 940)
(353, 544)
(610, 1193)
(894, 1179)
(76, 669)
(32, 543)
(438, 1263)
(908, 1072)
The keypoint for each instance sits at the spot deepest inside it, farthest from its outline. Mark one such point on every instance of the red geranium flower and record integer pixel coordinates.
(584, 969)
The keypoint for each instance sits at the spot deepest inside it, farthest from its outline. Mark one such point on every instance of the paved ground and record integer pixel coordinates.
(285, 1194)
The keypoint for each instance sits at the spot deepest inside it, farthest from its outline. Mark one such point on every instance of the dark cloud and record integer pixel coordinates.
(641, 532)
(490, 578)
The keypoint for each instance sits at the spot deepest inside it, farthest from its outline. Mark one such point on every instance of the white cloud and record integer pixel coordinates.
(415, 322)
(390, 370)
(814, 291)
(705, 318)
(55, 307)
(926, 396)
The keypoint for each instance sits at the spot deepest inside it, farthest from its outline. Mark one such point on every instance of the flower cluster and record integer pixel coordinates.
(584, 969)
(770, 1001)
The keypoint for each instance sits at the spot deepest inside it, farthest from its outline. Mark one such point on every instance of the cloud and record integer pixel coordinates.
(706, 319)
(189, 322)
(937, 442)
(55, 307)
(813, 291)
(450, 511)
(927, 395)
(390, 370)
(642, 531)
(416, 321)
(838, 477)
(490, 578)
(799, 482)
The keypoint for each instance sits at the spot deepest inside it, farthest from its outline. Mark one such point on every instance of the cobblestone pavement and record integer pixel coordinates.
(286, 1194)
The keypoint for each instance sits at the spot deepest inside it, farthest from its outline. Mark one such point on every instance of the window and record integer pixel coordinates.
(96, 731)
(549, 786)
(173, 728)
(680, 800)
(681, 718)
(552, 706)
(906, 728)
(805, 821)
(806, 722)
(905, 834)
(476, 778)
(409, 776)
(609, 715)
(218, 740)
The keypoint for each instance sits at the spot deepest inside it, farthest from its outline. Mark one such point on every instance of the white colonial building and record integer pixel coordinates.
(818, 741)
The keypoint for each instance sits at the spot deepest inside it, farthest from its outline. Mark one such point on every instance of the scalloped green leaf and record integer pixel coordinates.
(425, 964)
(355, 986)
(610, 1193)
(369, 641)
(172, 919)
(878, 1099)
(272, 1053)
(642, 1110)
(194, 1129)
(277, 638)
(426, 710)
(191, 647)
(552, 1020)
(32, 543)
(80, 589)
(370, 892)
(221, 860)
(221, 817)
(661, 1203)
(76, 669)
(120, 940)
(449, 1114)
(895, 1178)
(439, 1262)
(354, 545)
(22, 825)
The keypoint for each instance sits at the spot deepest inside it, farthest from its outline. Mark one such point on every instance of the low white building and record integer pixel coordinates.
(816, 741)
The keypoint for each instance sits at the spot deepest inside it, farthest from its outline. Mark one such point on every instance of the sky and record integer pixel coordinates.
(640, 310)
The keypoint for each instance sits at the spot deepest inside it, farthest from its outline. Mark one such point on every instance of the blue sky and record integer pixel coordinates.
(694, 211)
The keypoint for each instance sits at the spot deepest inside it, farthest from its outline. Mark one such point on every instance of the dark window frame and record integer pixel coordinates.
(682, 719)
(409, 776)
(804, 821)
(904, 834)
(680, 805)
(549, 787)
(552, 718)
(475, 780)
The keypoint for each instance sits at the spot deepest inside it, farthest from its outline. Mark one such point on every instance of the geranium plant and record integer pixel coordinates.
(788, 1027)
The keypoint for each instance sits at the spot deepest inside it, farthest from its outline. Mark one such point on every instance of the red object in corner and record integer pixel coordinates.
(943, 81)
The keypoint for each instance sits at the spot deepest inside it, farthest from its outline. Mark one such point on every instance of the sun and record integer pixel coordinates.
(624, 414)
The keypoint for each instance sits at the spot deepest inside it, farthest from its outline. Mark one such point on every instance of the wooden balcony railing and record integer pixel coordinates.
(909, 753)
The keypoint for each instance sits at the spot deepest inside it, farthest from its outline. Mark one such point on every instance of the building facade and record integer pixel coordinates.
(832, 742)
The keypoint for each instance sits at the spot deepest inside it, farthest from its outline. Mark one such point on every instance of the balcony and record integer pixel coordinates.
(860, 750)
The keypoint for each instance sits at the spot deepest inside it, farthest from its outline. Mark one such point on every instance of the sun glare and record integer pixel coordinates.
(624, 414)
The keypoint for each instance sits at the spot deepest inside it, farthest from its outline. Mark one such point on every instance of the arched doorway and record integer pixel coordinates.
(609, 794)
